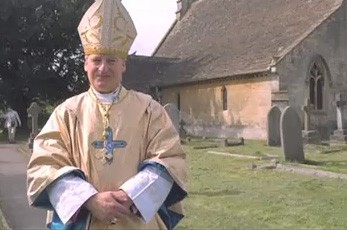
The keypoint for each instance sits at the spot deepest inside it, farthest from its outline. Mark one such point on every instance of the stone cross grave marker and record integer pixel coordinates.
(33, 111)
(291, 139)
(174, 114)
(340, 103)
(340, 134)
(273, 126)
(307, 108)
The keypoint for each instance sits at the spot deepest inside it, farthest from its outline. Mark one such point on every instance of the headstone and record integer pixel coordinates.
(340, 103)
(174, 114)
(280, 98)
(273, 126)
(182, 130)
(33, 111)
(291, 139)
(340, 134)
(158, 94)
(236, 142)
(309, 135)
(225, 142)
(307, 108)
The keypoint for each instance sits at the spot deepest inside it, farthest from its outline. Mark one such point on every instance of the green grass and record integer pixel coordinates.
(330, 158)
(1, 225)
(225, 193)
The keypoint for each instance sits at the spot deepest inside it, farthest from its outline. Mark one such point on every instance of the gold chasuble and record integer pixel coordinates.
(72, 141)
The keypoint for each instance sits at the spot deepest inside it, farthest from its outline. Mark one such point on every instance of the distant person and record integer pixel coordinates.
(2, 121)
(12, 120)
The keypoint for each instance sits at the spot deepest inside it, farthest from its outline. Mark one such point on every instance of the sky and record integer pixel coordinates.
(152, 19)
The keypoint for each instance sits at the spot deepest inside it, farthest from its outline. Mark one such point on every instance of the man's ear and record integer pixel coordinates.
(85, 63)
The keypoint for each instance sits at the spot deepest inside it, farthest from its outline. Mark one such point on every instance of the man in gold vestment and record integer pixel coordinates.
(108, 158)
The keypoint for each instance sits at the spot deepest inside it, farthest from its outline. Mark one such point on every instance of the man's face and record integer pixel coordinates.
(104, 72)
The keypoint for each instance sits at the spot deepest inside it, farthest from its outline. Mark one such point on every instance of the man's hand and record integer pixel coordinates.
(106, 206)
(123, 198)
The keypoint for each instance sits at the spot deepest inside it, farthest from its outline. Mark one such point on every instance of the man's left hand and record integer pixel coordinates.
(123, 198)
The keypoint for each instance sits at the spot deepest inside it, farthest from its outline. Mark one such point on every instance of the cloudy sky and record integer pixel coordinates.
(152, 19)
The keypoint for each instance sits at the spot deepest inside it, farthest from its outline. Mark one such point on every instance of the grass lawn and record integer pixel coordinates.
(225, 193)
(2, 225)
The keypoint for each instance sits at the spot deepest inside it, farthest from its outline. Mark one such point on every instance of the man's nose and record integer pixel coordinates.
(103, 65)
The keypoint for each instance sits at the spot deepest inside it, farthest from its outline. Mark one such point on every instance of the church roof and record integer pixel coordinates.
(221, 38)
(143, 73)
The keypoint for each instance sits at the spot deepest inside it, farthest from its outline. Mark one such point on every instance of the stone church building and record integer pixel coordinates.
(224, 63)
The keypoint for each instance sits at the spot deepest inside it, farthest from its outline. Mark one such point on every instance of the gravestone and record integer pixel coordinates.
(174, 114)
(225, 142)
(291, 139)
(273, 126)
(33, 111)
(340, 134)
(309, 135)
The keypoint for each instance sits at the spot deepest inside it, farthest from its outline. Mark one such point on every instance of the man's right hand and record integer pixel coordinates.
(105, 206)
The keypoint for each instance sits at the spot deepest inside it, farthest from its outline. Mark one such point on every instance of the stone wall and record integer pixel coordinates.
(201, 107)
(327, 41)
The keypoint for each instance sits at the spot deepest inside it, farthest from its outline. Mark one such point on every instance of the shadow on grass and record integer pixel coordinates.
(317, 163)
(335, 166)
(224, 192)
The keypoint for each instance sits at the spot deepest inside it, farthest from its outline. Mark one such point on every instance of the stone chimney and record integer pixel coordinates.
(182, 8)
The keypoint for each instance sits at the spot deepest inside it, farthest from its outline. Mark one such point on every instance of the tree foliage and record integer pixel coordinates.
(40, 51)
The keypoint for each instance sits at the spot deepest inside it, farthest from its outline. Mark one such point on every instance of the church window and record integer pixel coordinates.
(178, 101)
(225, 98)
(316, 86)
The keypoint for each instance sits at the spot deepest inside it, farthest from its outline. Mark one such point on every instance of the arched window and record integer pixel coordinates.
(316, 81)
(178, 101)
(224, 98)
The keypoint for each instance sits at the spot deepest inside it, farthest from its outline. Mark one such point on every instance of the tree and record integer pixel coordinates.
(40, 51)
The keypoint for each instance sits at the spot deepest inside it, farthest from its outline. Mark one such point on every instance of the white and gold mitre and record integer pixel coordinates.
(107, 28)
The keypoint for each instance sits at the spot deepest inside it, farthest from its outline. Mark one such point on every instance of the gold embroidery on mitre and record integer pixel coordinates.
(107, 28)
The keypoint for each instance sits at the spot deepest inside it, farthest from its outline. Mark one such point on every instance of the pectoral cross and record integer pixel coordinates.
(108, 144)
